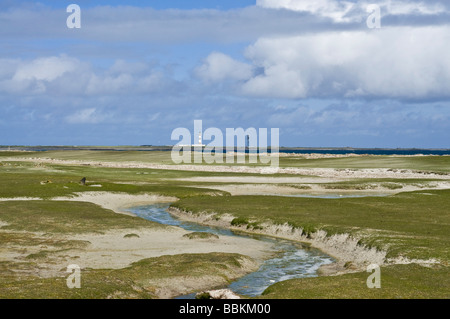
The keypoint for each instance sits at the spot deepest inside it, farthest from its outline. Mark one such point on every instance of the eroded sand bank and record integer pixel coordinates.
(113, 249)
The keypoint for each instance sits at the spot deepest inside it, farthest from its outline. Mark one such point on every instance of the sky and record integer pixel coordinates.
(137, 70)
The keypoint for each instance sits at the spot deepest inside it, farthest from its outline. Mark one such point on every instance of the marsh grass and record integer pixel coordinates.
(43, 225)
(140, 280)
(415, 225)
(64, 217)
(21, 179)
(412, 224)
(201, 235)
(424, 164)
(397, 282)
(131, 235)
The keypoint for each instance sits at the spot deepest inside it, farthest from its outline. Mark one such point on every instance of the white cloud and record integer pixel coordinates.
(85, 116)
(218, 67)
(99, 84)
(279, 80)
(413, 7)
(347, 11)
(337, 10)
(63, 76)
(399, 62)
(8, 68)
(47, 68)
(36, 76)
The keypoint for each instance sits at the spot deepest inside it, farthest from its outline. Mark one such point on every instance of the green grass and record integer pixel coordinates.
(60, 217)
(140, 280)
(100, 155)
(201, 235)
(419, 163)
(397, 282)
(413, 224)
(21, 180)
(131, 235)
(238, 221)
(153, 157)
(38, 230)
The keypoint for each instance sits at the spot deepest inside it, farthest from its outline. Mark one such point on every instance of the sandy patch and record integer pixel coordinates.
(343, 247)
(254, 189)
(178, 286)
(117, 202)
(7, 199)
(262, 179)
(317, 190)
(320, 172)
(113, 251)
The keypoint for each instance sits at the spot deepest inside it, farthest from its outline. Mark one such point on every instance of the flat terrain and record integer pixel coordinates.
(49, 220)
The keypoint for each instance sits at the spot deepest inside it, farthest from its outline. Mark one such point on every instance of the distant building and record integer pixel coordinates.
(200, 141)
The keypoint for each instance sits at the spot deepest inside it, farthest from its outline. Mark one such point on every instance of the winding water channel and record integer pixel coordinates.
(292, 260)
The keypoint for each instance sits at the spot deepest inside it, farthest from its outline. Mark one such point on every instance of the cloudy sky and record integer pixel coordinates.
(136, 70)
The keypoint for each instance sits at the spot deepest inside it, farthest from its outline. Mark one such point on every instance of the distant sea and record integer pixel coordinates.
(295, 150)
(369, 151)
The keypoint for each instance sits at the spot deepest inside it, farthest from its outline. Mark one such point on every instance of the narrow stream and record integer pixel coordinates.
(292, 259)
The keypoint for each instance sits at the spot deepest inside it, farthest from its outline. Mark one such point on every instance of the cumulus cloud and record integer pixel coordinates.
(218, 67)
(387, 63)
(347, 11)
(362, 121)
(337, 10)
(111, 24)
(37, 75)
(47, 68)
(317, 51)
(63, 75)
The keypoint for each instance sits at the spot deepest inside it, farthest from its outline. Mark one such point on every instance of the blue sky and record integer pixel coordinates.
(136, 70)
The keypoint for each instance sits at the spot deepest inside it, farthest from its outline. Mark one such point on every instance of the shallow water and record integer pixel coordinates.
(292, 260)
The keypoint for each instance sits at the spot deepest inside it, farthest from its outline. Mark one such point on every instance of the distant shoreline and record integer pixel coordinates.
(283, 150)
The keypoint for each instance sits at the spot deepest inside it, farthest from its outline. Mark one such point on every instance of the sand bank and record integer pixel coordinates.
(116, 249)
(319, 172)
(343, 247)
(273, 189)
(117, 202)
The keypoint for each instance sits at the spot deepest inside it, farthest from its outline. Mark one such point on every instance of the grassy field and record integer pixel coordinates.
(63, 217)
(38, 231)
(141, 280)
(419, 163)
(397, 282)
(410, 224)
(414, 225)
(19, 179)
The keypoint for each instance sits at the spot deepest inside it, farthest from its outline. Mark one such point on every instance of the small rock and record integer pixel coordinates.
(219, 294)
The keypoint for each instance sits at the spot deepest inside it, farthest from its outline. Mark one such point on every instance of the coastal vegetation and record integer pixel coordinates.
(41, 222)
